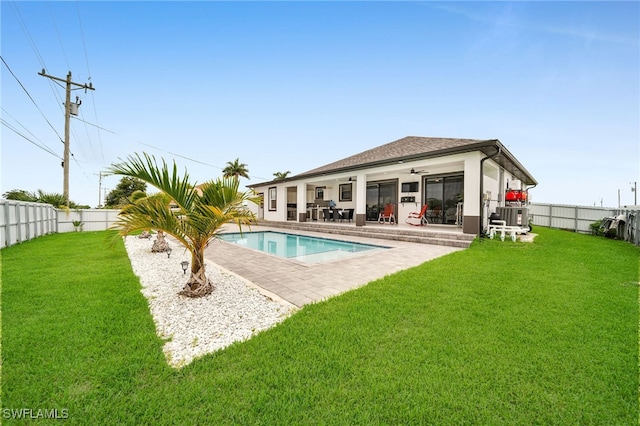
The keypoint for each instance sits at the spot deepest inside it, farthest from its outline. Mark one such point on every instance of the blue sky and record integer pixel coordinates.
(296, 85)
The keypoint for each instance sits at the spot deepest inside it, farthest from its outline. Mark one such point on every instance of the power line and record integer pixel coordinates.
(86, 56)
(32, 43)
(95, 113)
(64, 54)
(25, 30)
(95, 125)
(48, 149)
(44, 148)
(55, 26)
(56, 95)
(39, 57)
(32, 100)
(191, 159)
(178, 155)
(84, 46)
(72, 132)
(80, 167)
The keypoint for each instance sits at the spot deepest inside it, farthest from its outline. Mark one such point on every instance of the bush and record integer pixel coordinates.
(597, 229)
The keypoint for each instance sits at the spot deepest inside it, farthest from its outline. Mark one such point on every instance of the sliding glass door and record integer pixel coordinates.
(380, 194)
(442, 195)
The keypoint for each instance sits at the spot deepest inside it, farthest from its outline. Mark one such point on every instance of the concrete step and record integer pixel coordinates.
(450, 239)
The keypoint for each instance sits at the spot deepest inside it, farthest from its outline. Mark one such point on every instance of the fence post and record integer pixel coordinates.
(18, 224)
(575, 223)
(40, 223)
(7, 228)
(27, 210)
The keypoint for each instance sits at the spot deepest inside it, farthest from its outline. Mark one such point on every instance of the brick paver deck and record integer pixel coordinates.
(300, 283)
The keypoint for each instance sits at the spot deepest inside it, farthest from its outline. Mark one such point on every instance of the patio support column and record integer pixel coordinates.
(301, 201)
(471, 215)
(361, 199)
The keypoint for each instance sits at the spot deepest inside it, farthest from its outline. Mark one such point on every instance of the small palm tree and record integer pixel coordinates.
(195, 222)
(281, 175)
(236, 169)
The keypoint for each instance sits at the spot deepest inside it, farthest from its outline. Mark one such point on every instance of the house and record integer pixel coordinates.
(461, 180)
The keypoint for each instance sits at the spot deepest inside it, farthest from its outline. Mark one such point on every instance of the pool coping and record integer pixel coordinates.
(333, 237)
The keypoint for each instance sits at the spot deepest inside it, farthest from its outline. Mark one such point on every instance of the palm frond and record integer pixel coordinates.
(168, 181)
(153, 212)
(197, 219)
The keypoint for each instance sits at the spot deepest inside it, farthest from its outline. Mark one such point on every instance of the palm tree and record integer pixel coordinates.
(236, 169)
(195, 222)
(281, 175)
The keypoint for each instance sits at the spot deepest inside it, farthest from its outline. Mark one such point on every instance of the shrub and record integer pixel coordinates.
(597, 229)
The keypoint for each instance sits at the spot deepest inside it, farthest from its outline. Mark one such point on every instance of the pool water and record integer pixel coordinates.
(298, 247)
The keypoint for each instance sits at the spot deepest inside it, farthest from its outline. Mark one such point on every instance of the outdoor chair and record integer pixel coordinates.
(388, 215)
(418, 218)
(327, 215)
(346, 215)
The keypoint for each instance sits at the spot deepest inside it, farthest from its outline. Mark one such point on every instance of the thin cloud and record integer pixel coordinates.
(506, 18)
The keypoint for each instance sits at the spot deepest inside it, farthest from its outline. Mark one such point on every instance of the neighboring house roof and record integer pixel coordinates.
(416, 148)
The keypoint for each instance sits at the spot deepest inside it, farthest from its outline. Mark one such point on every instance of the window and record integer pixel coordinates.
(442, 195)
(345, 192)
(272, 198)
(410, 187)
(320, 192)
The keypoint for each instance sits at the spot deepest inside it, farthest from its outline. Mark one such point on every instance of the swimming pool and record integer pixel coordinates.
(297, 247)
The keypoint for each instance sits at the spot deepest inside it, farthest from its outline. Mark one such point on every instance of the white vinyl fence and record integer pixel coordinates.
(579, 218)
(22, 221)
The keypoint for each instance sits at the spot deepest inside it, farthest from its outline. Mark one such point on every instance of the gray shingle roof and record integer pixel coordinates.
(401, 149)
(417, 147)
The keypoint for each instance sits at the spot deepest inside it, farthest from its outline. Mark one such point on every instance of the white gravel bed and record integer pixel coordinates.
(235, 310)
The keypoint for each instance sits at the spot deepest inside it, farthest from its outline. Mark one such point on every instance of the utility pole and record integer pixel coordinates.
(67, 118)
(634, 189)
(618, 198)
(99, 189)
(100, 176)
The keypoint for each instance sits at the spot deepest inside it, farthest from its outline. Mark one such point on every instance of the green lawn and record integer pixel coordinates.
(502, 334)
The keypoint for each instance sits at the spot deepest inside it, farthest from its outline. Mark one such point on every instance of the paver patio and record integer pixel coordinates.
(300, 283)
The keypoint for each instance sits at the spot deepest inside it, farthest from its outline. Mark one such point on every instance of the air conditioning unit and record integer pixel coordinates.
(514, 216)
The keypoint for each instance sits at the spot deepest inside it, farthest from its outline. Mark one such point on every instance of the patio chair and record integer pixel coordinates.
(327, 215)
(388, 215)
(346, 215)
(352, 213)
(419, 217)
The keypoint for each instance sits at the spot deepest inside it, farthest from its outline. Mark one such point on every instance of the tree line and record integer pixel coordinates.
(123, 193)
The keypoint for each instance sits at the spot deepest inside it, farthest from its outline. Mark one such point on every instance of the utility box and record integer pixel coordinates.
(514, 216)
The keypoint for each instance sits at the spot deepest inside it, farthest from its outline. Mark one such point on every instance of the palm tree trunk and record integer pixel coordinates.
(198, 284)
(160, 245)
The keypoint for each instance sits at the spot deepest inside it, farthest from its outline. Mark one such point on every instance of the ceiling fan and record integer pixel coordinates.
(415, 172)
